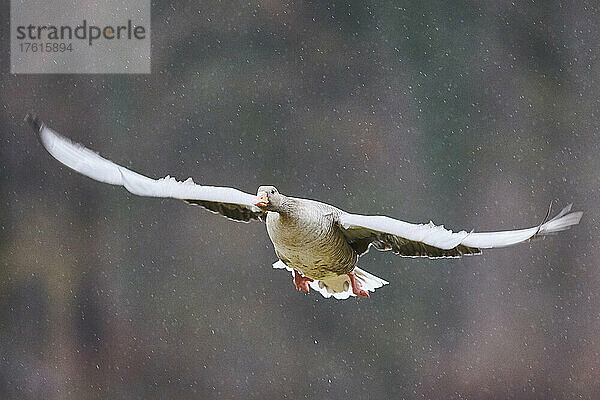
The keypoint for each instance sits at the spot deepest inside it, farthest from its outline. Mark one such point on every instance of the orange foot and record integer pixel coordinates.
(356, 286)
(301, 282)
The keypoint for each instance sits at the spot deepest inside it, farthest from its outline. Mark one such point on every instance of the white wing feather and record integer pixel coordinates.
(442, 238)
(91, 164)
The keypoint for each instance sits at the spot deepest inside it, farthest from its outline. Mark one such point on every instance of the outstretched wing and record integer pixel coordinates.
(229, 202)
(429, 240)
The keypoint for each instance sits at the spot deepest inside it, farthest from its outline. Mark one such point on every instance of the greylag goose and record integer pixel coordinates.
(318, 243)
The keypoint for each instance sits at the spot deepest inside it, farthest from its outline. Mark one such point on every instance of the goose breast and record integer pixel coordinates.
(310, 240)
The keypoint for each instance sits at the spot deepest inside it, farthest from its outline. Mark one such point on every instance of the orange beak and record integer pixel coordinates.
(262, 200)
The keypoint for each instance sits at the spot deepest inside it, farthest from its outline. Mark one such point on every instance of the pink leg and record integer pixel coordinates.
(356, 286)
(301, 282)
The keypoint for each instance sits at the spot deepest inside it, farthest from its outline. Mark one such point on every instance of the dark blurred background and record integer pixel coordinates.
(475, 116)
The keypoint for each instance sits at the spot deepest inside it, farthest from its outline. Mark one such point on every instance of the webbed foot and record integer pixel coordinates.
(356, 287)
(301, 282)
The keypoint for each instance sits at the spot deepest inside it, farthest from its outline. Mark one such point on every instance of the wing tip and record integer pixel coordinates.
(562, 221)
(34, 122)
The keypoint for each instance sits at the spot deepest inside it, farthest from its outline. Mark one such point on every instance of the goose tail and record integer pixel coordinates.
(339, 286)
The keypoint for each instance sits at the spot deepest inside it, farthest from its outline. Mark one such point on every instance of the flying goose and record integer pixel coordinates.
(318, 243)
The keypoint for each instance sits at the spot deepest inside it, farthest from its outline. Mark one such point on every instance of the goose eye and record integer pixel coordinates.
(272, 192)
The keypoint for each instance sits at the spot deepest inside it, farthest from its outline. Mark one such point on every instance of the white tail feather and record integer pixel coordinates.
(336, 286)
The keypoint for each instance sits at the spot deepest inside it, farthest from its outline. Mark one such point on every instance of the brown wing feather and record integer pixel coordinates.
(236, 212)
(404, 247)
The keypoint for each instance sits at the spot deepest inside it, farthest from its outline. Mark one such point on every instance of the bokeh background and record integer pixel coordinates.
(474, 115)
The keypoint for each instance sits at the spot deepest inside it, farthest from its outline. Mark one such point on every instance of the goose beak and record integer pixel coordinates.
(262, 200)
